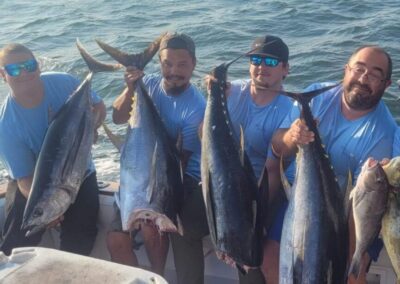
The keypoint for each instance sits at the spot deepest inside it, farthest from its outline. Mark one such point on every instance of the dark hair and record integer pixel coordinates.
(380, 50)
(179, 41)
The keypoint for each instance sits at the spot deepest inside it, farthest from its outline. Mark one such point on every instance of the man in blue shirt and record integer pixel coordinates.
(257, 106)
(25, 115)
(354, 123)
(181, 107)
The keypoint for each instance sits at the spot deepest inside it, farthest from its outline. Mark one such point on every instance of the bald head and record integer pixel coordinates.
(379, 50)
(13, 48)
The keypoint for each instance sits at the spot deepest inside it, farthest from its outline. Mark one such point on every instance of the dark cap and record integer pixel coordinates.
(271, 45)
(178, 41)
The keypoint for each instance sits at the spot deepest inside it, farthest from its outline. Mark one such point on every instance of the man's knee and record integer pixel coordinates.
(118, 241)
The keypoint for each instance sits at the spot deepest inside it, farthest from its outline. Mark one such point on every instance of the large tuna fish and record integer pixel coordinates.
(151, 187)
(63, 159)
(231, 194)
(314, 240)
(391, 220)
(369, 201)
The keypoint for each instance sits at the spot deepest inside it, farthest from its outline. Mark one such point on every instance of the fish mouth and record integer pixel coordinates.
(160, 221)
(372, 163)
(32, 229)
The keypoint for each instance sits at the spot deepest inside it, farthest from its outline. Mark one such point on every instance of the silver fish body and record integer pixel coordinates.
(150, 181)
(369, 203)
(230, 190)
(62, 162)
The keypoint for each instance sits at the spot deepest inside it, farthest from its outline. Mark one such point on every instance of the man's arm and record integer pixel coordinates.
(286, 140)
(122, 105)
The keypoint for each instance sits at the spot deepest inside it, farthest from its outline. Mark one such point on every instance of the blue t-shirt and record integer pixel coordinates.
(22, 130)
(396, 143)
(181, 113)
(348, 143)
(258, 122)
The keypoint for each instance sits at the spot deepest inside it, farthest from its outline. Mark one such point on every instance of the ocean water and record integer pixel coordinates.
(321, 35)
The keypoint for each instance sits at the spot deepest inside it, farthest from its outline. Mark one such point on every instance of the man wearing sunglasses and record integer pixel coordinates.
(256, 106)
(353, 122)
(25, 115)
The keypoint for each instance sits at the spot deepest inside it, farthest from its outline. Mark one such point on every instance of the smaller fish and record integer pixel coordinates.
(392, 170)
(369, 202)
(391, 231)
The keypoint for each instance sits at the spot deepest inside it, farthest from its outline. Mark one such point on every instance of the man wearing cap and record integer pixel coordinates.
(181, 106)
(354, 123)
(256, 106)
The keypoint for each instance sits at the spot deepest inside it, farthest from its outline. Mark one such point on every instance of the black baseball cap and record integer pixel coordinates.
(178, 41)
(272, 46)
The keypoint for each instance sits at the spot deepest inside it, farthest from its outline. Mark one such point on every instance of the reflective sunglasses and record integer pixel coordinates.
(15, 69)
(268, 61)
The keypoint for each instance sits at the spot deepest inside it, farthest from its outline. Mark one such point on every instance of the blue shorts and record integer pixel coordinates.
(275, 232)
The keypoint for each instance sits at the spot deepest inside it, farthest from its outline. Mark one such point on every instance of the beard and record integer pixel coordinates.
(174, 88)
(364, 99)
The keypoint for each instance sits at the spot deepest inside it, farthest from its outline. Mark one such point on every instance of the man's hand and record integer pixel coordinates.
(132, 74)
(207, 83)
(299, 134)
(55, 222)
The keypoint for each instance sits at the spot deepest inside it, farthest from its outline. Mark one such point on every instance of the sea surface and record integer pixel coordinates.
(321, 35)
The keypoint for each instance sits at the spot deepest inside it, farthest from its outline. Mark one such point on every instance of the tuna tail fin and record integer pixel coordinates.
(116, 140)
(93, 64)
(306, 97)
(139, 60)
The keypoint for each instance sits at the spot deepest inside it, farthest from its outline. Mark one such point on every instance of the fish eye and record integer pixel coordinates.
(37, 212)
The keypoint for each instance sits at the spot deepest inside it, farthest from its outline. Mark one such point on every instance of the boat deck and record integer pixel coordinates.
(216, 272)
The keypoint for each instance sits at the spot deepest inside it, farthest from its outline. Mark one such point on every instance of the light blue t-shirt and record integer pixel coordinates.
(258, 122)
(348, 143)
(181, 114)
(396, 143)
(22, 130)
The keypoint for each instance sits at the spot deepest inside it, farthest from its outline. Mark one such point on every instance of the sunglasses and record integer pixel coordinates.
(268, 61)
(15, 69)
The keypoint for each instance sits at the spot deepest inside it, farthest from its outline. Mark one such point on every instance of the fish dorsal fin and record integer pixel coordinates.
(241, 149)
(180, 153)
(116, 140)
(263, 187)
(153, 175)
(179, 144)
(285, 182)
(346, 195)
